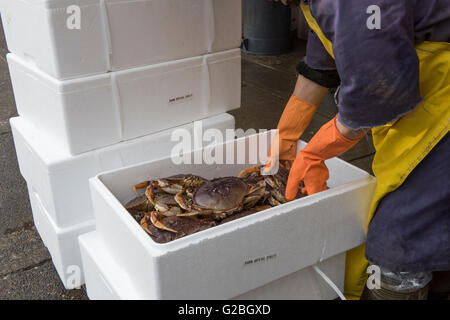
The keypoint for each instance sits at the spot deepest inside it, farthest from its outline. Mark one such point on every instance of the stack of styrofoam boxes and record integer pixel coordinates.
(100, 84)
(268, 255)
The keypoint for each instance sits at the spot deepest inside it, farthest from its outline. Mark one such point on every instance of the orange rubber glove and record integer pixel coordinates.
(309, 166)
(295, 119)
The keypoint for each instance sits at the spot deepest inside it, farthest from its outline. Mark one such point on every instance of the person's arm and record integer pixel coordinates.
(296, 117)
(317, 73)
(350, 133)
(309, 91)
(379, 71)
(309, 166)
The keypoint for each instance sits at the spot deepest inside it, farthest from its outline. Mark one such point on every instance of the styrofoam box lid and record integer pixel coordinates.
(50, 230)
(166, 67)
(95, 81)
(343, 176)
(58, 159)
(60, 86)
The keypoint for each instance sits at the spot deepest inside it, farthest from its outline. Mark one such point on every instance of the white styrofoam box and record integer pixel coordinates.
(117, 34)
(62, 243)
(239, 256)
(89, 113)
(106, 281)
(304, 284)
(61, 180)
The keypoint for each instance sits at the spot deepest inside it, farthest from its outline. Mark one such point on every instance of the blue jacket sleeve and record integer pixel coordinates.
(379, 68)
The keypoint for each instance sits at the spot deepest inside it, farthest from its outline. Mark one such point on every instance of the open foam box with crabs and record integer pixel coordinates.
(267, 249)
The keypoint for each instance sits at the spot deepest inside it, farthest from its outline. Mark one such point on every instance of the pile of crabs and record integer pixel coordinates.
(174, 207)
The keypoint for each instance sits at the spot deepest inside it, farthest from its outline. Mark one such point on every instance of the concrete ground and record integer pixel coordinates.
(26, 269)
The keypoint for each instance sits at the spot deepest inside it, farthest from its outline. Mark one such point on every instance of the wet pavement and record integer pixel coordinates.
(26, 270)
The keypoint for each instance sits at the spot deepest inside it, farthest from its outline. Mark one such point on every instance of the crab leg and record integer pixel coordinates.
(261, 208)
(144, 224)
(166, 210)
(141, 185)
(272, 182)
(195, 213)
(150, 194)
(274, 202)
(170, 185)
(152, 217)
(158, 224)
(286, 163)
(181, 201)
(247, 172)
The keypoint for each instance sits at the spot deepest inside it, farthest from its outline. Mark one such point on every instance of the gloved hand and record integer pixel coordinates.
(295, 119)
(309, 166)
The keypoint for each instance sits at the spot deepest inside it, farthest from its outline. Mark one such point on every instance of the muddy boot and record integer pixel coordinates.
(401, 286)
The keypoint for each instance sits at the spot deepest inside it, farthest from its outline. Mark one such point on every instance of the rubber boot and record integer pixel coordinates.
(401, 286)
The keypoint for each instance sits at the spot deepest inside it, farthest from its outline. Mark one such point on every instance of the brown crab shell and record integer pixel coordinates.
(238, 215)
(183, 225)
(221, 195)
(138, 204)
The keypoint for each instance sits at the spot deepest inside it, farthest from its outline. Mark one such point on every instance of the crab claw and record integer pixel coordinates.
(150, 193)
(182, 201)
(158, 224)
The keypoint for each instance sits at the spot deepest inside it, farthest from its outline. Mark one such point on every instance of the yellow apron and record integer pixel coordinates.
(400, 146)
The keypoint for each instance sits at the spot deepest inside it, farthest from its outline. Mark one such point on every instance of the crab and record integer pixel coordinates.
(245, 213)
(182, 197)
(215, 199)
(159, 200)
(172, 185)
(165, 204)
(160, 196)
(178, 226)
(152, 218)
(221, 197)
(275, 184)
(160, 193)
(139, 204)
